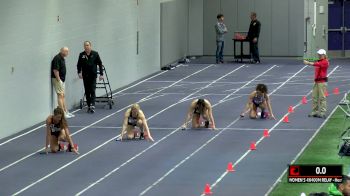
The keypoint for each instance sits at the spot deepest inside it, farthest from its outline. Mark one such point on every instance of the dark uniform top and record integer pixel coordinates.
(55, 129)
(254, 30)
(88, 63)
(58, 63)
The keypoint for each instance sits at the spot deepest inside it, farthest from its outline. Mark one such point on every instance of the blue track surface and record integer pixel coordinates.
(178, 162)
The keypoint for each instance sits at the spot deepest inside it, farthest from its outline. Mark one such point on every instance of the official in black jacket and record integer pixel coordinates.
(87, 70)
(253, 37)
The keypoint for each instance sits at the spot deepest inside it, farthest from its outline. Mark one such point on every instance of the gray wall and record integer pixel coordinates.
(174, 30)
(320, 40)
(282, 24)
(31, 36)
(195, 40)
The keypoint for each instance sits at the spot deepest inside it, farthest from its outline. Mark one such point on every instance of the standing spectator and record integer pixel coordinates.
(87, 70)
(253, 37)
(319, 102)
(221, 29)
(58, 77)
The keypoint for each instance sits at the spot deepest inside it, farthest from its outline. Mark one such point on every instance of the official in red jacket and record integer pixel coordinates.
(319, 101)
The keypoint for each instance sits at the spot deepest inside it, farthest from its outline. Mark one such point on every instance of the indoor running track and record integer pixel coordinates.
(178, 162)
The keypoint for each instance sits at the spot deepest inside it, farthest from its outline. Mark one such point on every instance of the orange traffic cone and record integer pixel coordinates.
(207, 190)
(266, 133)
(326, 93)
(252, 146)
(304, 100)
(230, 167)
(286, 119)
(336, 91)
(290, 109)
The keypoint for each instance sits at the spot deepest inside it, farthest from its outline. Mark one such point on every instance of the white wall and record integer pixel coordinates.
(320, 40)
(31, 36)
(174, 30)
(195, 35)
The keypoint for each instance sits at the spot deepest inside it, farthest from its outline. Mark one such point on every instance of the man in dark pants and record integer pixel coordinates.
(253, 37)
(87, 70)
(221, 30)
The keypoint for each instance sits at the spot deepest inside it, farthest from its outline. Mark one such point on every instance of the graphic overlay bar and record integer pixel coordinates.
(315, 173)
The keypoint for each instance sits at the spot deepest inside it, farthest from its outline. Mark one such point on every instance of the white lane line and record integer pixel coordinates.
(120, 110)
(96, 148)
(301, 151)
(306, 145)
(218, 94)
(185, 159)
(245, 85)
(43, 125)
(205, 144)
(41, 149)
(172, 128)
(218, 128)
(139, 154)
(248, 151)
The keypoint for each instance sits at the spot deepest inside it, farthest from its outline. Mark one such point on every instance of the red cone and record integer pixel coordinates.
(230, 167)
(304, 100)
(207, 190)
(286, 119)
(266, 133)
(252, 146)
(336, 91)
(290, 109)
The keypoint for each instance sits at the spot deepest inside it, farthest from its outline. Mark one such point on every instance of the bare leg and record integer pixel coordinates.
(61, 103)
(207, 120)
(253, 112)
(195, 121)
(130, 132)
(53, 144)
(248, 107)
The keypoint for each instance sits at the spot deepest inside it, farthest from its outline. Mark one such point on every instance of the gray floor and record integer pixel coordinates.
(178, 162)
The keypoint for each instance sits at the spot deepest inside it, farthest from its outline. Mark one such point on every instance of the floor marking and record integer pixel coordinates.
(217, 94)
(257, 142)
(305, 146)
(168, 135)
(120, 110)
(302, 150)
(43, 125)
(96, 148)
(172, 128)
(206, 143)
(41, 149)
(188, 157)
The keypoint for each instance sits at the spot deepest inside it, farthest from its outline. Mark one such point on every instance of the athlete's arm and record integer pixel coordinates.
(125, 124)
(268, 102)
(211, 116)
(48, 134)
(145, 126)
(189, 114)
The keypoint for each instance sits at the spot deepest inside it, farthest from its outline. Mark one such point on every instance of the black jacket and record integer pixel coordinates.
(88, 63)
(254, 30)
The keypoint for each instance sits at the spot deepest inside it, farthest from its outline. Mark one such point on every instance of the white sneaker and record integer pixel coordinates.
(69, 115)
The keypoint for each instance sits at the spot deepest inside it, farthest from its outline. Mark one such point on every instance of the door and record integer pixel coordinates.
(339, 26)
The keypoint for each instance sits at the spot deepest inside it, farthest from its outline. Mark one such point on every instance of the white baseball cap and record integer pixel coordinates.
(321, 52)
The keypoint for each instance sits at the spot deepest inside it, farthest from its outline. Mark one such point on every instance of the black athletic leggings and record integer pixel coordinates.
(90, 89)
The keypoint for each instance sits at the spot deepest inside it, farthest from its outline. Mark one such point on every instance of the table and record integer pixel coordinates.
(240, 56)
